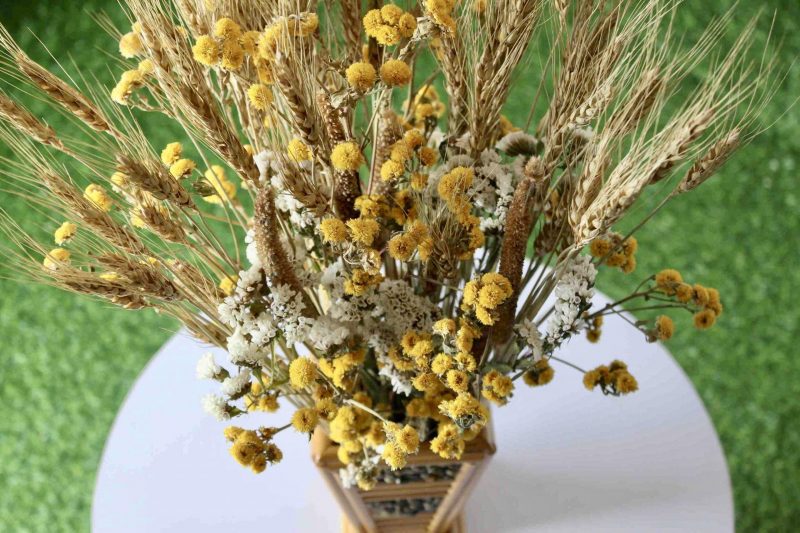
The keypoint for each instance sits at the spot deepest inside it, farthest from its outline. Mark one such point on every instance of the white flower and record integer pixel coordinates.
(235, 384)
(327, 332)
(216, 406)
(574, 291)
(532, 337)
(400, 383)
(207, 368)
(251, 251)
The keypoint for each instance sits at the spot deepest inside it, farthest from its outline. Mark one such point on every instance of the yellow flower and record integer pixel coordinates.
(347, 156)
(445, 326)
(119, 179)
(228, 284)
(391, 170)
(394, 456)
(333, 230)
(98, 196)
(260, 96)
(364, 230)
(130, 45)
(441, 364)
(65, 233)
(406, 25)
(665, 328)
(226, 190)
(456, 182)
(171, 153)
(401, 152)
(427, 382)
(110, 276)
(302, 372)
(298, 151)
(55, 258)
(704, 319)
(226, 29)
(361, 76)
(600, 247)
(414, 138)
(448, 443)
(407, 439)
(441, 13)
(395, 73)
(130, 80)
(714, 302)
(231, 432)
(401, 247)
(541, 373)
(667, 280)
(305, 420)
(457, 380)
(466, 361)
(700, 294)
(145, 67)
(206, 51)
(248, 40)
(428, 156)
(684, 292)
(497, 387)
(232, 55)
(182, 168)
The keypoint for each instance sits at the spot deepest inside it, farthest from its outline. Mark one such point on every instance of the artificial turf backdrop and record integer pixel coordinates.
(66, 362)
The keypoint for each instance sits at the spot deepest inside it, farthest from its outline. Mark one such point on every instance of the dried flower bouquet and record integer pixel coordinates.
(380, 257)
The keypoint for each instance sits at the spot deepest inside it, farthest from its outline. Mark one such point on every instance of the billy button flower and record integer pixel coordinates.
(363, 230)
(333, 230)
(395, 73)
(614, 379)
(206, 51)
(99, 197)
(298, 150)
(171, 153)
(302, 372)
(55, 258)
(361, 76)
(497, 387)
(226, 29)
(704, 319)
(664, 328)
(65, 233)
(304, 420)
(130, 45)
(347, 156)
(667, 281)
(541, 373)
(260, 96)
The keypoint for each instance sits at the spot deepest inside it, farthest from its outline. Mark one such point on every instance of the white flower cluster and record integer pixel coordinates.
(367, 468)
(216, 406)
(528, 332)
(493, 190)
(573, 293)
(252, 333)
(207, 368)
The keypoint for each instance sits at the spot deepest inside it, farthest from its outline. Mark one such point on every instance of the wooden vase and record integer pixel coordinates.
(431, 499)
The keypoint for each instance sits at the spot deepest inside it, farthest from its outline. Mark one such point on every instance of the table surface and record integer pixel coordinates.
(567, 460)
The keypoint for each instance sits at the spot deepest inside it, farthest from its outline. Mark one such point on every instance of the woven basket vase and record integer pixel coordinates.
(428, 495)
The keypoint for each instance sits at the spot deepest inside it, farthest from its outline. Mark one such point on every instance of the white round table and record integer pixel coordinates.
(567, 459)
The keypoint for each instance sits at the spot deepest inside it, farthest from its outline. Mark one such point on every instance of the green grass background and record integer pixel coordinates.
(66, 363)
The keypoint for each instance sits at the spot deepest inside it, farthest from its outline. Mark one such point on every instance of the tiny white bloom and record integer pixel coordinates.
(236, 384)
(216, 406)
(207, 368)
